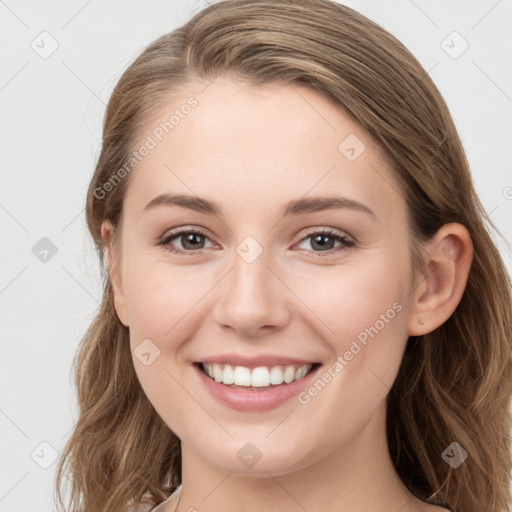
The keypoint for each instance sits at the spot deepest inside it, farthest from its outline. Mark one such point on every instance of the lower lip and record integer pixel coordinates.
(251, 399)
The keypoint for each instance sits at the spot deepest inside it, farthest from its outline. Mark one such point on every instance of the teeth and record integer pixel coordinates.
(242, 376)
(289, 374)
(217, 373)
(276, 375)
(300, 373)
(259, 377)
(228, 376)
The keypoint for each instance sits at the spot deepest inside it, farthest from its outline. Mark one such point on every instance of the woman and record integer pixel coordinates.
(303, 308)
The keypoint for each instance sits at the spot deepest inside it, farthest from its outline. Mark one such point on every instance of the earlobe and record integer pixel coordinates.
(448, 260)
(114, 270)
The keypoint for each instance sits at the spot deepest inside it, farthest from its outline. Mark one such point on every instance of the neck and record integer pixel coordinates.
(358, 476)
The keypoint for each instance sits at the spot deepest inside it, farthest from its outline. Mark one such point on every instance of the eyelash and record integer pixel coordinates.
(346, 242)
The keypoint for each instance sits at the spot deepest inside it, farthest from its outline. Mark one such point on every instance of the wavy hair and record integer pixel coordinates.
(454, 384)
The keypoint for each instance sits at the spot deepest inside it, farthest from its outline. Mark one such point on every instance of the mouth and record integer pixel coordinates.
(258, 378)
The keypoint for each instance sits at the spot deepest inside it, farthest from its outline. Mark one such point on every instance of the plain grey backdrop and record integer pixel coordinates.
(59, 64)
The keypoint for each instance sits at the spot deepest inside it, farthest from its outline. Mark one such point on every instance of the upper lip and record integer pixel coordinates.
(255, 361)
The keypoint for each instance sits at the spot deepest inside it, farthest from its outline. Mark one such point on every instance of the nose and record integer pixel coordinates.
(252, 299)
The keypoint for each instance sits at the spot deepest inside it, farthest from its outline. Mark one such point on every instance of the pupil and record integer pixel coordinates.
(320, 240)
(191, 238)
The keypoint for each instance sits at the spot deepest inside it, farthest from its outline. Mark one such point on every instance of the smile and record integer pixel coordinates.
(260, 377)
(254, 388)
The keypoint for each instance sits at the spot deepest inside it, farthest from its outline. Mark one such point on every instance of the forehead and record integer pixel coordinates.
(258, 147)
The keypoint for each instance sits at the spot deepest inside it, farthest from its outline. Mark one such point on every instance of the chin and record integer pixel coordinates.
(259, 458)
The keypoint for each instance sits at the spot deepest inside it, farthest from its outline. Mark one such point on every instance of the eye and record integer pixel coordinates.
(324, 240)
(190, 240)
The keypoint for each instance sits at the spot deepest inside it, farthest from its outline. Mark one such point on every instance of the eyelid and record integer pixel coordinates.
(186, 228)
(333, 231)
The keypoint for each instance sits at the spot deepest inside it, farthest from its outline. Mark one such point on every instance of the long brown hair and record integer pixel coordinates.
(454, 384)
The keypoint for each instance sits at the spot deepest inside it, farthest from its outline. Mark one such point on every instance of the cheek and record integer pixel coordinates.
(164, 302)
(362, 312)
(359, 300)
(159, 295)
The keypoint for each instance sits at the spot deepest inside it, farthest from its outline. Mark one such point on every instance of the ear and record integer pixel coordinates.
(448, 259)
(114, 270)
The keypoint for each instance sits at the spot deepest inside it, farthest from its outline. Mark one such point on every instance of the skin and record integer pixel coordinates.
(253, 149)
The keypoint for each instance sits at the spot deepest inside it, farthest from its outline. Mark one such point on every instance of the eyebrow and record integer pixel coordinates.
(294, 207)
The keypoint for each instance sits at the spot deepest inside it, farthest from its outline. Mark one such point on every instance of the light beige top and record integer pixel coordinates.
(169, 505)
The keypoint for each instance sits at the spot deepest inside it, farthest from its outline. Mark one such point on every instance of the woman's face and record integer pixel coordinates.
(257, 283)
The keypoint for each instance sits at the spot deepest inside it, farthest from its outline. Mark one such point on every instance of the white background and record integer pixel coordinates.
(51, 115)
